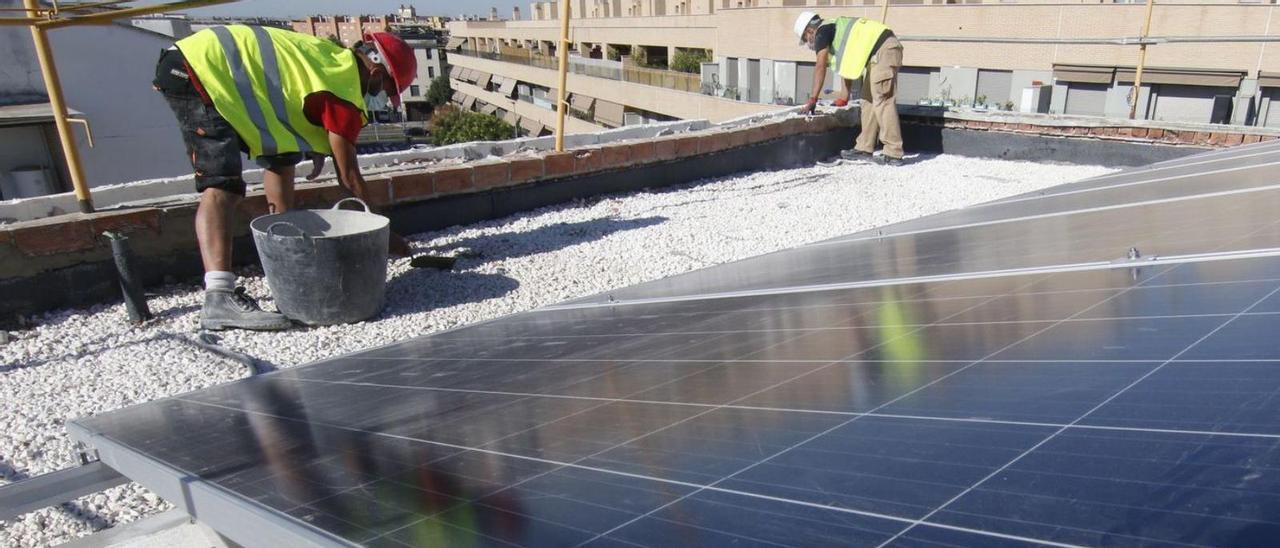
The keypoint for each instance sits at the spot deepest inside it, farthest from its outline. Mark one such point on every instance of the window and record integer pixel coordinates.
(431, 73)
(428, 50)
(414, 91)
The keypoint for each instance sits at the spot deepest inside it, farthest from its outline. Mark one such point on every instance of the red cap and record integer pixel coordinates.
(398, 57)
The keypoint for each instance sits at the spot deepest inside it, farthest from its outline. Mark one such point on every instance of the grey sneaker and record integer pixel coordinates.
(888, 161)
(855, 155)
(237, 310)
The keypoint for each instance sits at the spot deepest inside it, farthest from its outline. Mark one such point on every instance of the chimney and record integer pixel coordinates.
(515, 13)
(493, 14)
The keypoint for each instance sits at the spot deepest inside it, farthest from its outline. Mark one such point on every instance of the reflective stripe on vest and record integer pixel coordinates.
(856, 38)
(258, 79)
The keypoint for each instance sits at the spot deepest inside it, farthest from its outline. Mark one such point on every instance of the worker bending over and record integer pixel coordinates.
(851, 45)
(278, 96)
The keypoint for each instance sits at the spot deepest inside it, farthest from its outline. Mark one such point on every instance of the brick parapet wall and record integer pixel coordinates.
(29, 248)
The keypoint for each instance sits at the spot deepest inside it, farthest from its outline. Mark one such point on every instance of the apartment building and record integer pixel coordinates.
(1208, 61)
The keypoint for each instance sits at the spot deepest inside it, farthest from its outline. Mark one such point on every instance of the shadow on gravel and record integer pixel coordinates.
(496, 247)
(421, 290)
(97, 347)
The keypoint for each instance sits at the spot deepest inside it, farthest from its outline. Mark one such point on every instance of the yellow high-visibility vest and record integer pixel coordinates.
(856, 38)
(259, 79)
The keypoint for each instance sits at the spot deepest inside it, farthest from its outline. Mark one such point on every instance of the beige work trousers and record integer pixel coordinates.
(879, 109)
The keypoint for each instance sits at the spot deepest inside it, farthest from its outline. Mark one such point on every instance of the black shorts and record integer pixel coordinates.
(212, 144)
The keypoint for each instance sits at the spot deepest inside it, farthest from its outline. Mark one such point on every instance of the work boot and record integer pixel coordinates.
(237, 310)
(885, 160)
(855, 155)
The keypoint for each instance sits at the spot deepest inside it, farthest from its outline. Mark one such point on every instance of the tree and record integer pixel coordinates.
(439, 92)
(690, 60)
(450, 126)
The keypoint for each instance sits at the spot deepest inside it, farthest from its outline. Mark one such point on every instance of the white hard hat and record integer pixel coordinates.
(803, 21)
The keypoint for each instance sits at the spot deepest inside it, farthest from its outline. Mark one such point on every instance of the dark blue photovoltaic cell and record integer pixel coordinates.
(1203, 396)
(895, 466)
(1127, 488)
(1022, 391)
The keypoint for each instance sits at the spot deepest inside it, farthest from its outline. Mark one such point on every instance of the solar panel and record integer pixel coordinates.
(1135, 404)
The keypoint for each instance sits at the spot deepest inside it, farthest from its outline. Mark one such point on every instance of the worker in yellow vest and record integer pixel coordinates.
(277, 96)
(852, 46)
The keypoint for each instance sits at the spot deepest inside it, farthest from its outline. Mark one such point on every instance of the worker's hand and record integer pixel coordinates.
(842, 102)
(317, 165)
(810, 106)
(398, 247)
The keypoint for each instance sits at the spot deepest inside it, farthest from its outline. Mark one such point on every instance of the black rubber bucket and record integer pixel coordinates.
(325, 266)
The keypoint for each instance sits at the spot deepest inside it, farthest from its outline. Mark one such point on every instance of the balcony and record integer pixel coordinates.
(598, 68)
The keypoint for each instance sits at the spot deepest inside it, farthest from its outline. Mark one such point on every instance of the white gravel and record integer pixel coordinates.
(85, 361)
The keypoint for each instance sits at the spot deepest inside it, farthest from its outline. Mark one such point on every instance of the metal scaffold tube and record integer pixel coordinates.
(44, 54)
(1142, 61)
(561, 94)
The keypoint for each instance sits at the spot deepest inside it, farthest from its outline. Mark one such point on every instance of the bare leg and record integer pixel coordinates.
(848, 88)
(278, 184)
(213, 228)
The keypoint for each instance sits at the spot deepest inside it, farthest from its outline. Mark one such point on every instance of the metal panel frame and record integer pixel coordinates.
(246, 524)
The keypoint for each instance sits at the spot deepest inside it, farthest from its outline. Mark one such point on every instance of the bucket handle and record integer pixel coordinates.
(356, 200)
(272, 229)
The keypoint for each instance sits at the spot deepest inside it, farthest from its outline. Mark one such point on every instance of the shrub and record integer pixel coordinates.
(451, 126)
(690, 60)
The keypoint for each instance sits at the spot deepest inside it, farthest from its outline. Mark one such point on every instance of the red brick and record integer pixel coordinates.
(557, 164)
(308, 196)
(1140, 132)
(641, 152)
(979, 124)
(377, 191)
(740, 137)
(1233, 139)
(64, 234)
(254, 205)
(412, 185)
(773, 130)
(126, 221)
(1155, 133)
(490, 174)
(1249, 139)
(823, 124)
(612, 156)
(687, 146)
(756, 134)
(452, 180)
(588, 160)
(792, 126)
(524, 170)
(664, 148)
(1125, 132)
(713, 142)
(1026, 127)
(6, 237)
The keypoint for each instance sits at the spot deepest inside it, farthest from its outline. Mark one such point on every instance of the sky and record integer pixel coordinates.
(293, 8)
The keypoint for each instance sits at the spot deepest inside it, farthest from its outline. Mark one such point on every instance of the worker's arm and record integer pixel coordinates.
(347, 165)
(819, 78)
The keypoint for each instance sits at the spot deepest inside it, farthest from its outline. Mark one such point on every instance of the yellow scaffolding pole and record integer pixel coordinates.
(40, 20)
(562, 94)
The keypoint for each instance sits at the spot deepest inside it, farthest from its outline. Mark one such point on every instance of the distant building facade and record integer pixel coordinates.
(995, 54)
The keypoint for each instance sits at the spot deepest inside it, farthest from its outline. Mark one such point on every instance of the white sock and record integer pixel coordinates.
(219, 281)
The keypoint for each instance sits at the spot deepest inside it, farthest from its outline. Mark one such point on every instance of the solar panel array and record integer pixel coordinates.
(1008, 374)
